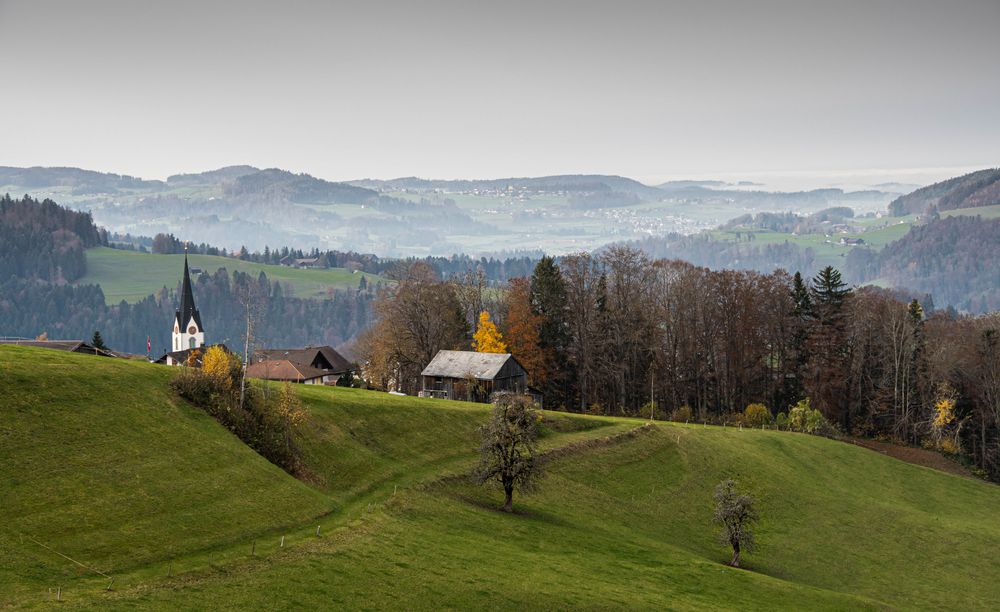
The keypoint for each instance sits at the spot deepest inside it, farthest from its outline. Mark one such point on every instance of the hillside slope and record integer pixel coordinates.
(981, 188)
(622, 521)
(131, 276)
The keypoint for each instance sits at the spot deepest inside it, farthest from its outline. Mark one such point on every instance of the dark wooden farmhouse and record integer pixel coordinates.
(472, 376)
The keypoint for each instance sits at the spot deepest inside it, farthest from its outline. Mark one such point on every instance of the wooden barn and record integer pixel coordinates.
(472, 376)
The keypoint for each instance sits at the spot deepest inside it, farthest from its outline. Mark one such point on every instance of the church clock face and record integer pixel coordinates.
(192, 330)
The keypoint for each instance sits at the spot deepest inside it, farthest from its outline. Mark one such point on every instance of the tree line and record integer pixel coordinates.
(620, 333)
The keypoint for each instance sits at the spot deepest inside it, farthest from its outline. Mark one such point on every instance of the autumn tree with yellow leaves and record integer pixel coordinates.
(487, 338)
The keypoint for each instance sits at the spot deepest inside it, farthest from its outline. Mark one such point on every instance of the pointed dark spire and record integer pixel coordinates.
(187, 309)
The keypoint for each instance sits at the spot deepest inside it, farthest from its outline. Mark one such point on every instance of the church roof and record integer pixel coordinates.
(187, 311)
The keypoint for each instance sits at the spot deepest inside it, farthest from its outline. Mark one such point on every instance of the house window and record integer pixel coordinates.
(191, 342)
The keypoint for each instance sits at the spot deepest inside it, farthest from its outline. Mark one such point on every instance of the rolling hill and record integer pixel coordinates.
(131, 276)
(104, 467)
(981, 188)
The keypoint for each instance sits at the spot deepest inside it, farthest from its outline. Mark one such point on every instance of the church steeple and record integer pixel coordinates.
(188, 331)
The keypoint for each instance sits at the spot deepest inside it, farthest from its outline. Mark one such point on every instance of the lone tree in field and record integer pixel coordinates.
(508, 453)
(735, 512)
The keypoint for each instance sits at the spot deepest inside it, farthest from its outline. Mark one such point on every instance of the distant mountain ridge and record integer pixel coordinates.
(82, 181)
(981, 188)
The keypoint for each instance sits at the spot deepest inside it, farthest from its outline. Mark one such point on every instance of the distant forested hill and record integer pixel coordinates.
(81, 181)
(955, 259)
(972, 190)
(300, 188)
(42, 250)
(42, 240)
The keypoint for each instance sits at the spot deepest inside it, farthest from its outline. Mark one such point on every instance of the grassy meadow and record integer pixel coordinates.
(101, 463)
(131, 276)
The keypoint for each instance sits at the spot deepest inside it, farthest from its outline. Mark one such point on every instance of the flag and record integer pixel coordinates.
(149, 347)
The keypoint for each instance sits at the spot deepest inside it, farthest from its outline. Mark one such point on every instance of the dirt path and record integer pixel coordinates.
(917, 456)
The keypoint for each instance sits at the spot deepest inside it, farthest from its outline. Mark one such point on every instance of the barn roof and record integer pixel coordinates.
(463, 364)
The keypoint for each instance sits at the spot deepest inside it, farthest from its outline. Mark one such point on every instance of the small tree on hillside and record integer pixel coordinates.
(98, 342)
(508, 454)
(735, 513)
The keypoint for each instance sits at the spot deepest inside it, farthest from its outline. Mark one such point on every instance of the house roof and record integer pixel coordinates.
(309, 356)
(283, 369)
(463, 364)
(73, 346)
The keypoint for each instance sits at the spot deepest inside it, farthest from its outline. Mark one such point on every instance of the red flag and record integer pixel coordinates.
(149, 347)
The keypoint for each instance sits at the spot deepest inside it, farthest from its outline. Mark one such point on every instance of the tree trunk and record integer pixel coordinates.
(736, 555)
(508, 504)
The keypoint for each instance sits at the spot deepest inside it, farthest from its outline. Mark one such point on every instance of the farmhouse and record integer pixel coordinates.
(288, 371)
(302, 262)
(319, 364)
(472, 376)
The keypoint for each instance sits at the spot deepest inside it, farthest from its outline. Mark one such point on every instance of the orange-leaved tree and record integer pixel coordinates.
(521, 330)
(487, 338)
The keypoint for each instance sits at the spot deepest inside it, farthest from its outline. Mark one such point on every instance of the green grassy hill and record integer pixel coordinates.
(131, 276)
(99, 462)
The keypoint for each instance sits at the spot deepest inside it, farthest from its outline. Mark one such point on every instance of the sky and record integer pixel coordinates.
(817, 91)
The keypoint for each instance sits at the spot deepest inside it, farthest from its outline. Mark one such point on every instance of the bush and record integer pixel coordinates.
(806, 419)
(756, 415)
(681, 414)
(266, 425)
(781, 421)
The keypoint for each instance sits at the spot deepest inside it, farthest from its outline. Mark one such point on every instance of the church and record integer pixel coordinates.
(188, 334)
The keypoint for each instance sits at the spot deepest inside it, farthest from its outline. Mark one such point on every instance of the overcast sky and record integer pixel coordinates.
(652, 90)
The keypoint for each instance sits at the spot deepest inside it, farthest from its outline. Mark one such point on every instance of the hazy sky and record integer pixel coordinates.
(651, 90)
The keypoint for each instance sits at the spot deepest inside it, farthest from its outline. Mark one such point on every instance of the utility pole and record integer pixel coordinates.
(652, 400)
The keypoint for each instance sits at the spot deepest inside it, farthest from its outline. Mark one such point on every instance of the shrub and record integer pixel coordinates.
(681, 414)
(781, 421)
(266, 425)
(806, 419)
(756, 415)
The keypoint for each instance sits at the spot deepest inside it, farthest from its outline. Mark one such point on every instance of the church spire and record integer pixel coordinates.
(188, 331)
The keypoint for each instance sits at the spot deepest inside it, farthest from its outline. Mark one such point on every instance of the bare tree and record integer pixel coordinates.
(735, 513)
(508, 454)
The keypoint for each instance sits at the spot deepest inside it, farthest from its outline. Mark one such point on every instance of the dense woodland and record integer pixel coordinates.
(608, 334)
(949, 259)
(42, 240)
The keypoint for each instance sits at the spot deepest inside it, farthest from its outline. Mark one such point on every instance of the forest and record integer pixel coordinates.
(621, 333)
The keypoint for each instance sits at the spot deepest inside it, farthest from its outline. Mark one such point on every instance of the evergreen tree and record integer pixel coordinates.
(827, 382)
(97, 341)
(548, 301)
